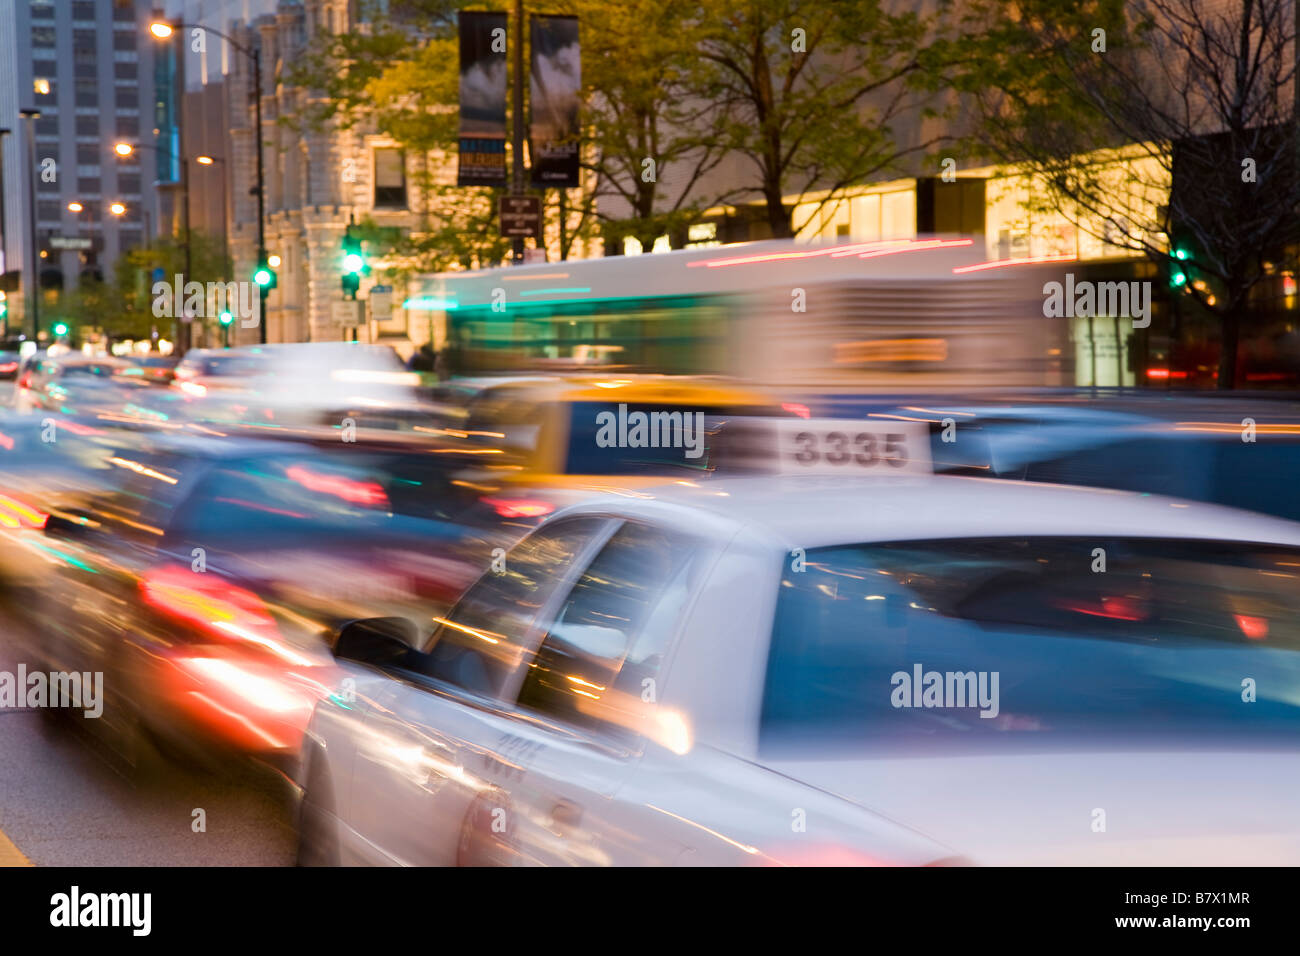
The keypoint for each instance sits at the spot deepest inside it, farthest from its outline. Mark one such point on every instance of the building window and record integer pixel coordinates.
(47, 126)
(87, 93)
(42, 9)
(128, 184)
(123, 11)
(87, 125)
(48, 211)
(128, 98)
(128, 127)
(126, 71)
(42, 36)
(83, 10)
(390, 179)
(87, 155)
(44, 68)
(41, 86)
(88, 187)
(123, 40)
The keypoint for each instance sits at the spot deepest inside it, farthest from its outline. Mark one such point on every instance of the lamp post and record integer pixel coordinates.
(225, 232)
(4, 226)
(30, 116)
(162, 29)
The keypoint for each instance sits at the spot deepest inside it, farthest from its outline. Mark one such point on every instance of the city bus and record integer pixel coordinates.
(927, 313)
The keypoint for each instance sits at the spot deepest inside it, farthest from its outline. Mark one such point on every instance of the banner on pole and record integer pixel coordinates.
(556, 86)
(482, 159)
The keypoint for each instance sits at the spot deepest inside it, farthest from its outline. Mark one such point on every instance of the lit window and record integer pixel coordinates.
(41, 86)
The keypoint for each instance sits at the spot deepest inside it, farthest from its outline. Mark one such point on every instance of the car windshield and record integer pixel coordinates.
(987, 642)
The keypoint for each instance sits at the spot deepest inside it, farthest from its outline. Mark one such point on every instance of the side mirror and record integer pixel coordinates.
(378, 641)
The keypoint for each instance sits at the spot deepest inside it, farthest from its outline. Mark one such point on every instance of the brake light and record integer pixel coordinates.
(8, 366)
(1255, 628)
(520, 507)
(217, 608)
(794, 408)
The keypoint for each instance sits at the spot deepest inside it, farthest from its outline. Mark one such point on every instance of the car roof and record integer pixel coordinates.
(806, 512)
(642, 389)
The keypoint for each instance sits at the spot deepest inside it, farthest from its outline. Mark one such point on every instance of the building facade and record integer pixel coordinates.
(88, 67)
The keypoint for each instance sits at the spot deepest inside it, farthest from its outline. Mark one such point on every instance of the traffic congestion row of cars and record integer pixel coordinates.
(505, 627)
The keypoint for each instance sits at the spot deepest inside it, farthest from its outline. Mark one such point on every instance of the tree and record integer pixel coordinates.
(122, 305)
(1171, 132)
(806, 91)
(651, 134)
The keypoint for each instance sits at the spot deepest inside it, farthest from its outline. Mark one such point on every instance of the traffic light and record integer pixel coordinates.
(1178, 274)
(226, 318)
(264, 275)
(354, 264)
(60, 329)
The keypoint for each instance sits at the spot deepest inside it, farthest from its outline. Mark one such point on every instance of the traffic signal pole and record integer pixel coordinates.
(261, 190)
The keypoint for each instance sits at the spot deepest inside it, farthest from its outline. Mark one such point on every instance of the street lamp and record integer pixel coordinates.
(225, 236)
(75, 207)
(117, 208)
(162, 30)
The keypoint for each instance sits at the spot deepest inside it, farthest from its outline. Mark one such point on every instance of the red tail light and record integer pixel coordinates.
(217, 609)
(520, 507)
(8, 366)
(794, 408)
(1255, 628)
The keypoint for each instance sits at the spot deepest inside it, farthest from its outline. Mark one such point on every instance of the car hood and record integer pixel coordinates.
(1202, 808)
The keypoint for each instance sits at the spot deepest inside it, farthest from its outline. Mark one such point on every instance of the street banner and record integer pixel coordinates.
(556, 85)
(482, 99)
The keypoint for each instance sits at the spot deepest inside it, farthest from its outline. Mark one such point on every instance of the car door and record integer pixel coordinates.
(433, 742)
(587, 707)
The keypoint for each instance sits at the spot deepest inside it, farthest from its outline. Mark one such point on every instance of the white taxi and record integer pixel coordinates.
(812, 670)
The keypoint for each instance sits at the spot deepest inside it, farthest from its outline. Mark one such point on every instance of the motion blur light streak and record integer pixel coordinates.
(261, 692)
(367, 493)
(1004, 263)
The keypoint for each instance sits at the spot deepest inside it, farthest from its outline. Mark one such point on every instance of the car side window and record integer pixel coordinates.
(482, 640)
(597, 666)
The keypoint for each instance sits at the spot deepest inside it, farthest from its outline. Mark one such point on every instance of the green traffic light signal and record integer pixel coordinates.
(60, 328)
(226, 318)
(353, 263)
(262, 276)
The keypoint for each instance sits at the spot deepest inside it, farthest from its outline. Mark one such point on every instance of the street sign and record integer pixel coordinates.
(381, 303)
(521, 216)
(346, 312)
(70, 242)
